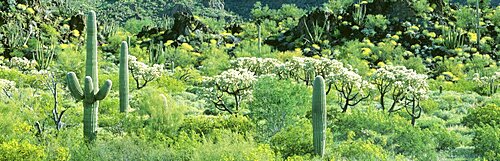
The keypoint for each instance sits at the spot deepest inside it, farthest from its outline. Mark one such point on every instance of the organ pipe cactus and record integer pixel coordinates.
(319, 115)
(89, 94)
(124, 101)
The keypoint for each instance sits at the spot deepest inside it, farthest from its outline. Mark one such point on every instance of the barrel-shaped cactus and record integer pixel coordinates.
(319, 115)
(90, 94)
(124, 100)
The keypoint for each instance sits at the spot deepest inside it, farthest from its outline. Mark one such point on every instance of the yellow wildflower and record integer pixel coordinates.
(30, 11)
(187, 47)
(472, 37)
(75, 33)
(169, 42)
(366, 51)
(316, 46)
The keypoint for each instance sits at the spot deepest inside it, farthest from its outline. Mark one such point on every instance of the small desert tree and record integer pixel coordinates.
(235, 84)
(351, 87)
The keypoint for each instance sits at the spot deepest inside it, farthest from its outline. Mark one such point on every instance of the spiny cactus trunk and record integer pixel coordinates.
(91, 94)
(319, 115)
(124, 100)
(90, 122)
(91, 109)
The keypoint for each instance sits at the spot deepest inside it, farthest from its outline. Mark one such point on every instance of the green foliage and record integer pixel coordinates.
(389, 131)
(22, 80)
(376, 23)
(338, 6)
(206, 125)
(487, 142)
(277, 104)
(249, 48)
(360, 150)
(15, 149)
(169, 84)
(221, 145)
(133, 148)
(453, 37)
(294, 139)
(415, 143)
(134, 26)
(488, 115)
(466, 17)
(214, 60)
(445, 139)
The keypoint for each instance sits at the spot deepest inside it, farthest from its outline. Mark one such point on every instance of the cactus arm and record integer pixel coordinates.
(104, 90)
(74, 86)
(319, 115)
(88, 90)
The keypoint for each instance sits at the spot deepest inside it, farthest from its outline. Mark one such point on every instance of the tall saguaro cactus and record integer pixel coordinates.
(90, 95)
(124, 101)
(319, 115)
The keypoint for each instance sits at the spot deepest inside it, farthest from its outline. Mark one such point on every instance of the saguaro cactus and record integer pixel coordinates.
(90, 95)
(319, 115)
(124, 101)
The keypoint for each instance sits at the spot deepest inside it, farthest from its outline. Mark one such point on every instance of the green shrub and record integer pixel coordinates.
(163, 114)
(205, 125)
(445, 139)
(414, 143)
(135, 26)
(16, 149)
(276, 104)
(22, 80)
(232, 146)
(73, 59)
(392, 132)
(430, 105)
(214, 61)
(360, 150)
(376, 23)
(220, 145)
(122, 148)
(486, 142)
(169, 84)
(294, 140)
(481, 116)
(466, 17)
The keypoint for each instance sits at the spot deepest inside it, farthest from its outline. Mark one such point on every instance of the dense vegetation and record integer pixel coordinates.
(209, 80)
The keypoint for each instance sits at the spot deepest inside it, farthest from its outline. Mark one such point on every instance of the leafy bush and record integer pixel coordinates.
(122, 148)
(294, 140)
(413, 143)
(232, 146)
(134, 26)
(445, 139)
(397, 135)
(205, 125)
(169, 84)
(214, 60)
(482, 116)
(487, 142)
(15, 149)
(277, 104)
(360, 150)
(220, 145)
(375, 23)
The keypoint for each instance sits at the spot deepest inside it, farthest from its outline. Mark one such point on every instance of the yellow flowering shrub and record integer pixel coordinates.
(20, 150)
